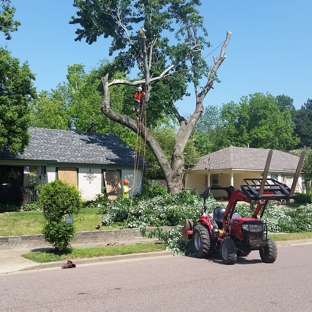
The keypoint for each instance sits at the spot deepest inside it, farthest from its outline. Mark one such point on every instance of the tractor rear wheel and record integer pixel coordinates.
(201, 242)
(228, 251)
(190, 224)
(268, 253)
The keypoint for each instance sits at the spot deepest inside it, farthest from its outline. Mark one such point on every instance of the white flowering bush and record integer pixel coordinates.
(173, 240)
(172, 210)
(165, 210)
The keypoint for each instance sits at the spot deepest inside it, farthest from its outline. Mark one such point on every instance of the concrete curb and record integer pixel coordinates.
(78, 262)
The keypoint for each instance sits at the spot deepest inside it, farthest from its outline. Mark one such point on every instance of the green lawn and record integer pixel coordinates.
(31, 222)
(91, 252)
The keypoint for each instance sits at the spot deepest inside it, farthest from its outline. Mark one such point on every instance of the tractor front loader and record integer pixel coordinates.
(225, 231)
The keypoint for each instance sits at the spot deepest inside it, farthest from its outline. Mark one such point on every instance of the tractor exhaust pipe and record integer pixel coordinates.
(296, 177)
(265, 173)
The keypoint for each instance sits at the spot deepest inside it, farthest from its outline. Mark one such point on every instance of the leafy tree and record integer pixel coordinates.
(257, 121)
(16, 94)
(166, 55)
(307, 170)
(165, 136)
(58, 199)
(207, 130)
(7, 22)
(285, 102)
(48, 110)
(303, 122)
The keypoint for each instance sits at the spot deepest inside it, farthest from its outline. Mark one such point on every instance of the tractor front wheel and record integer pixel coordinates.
(228, 251)
(201, 242)
(268, 253)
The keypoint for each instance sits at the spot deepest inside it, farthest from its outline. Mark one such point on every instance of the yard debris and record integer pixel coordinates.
(69, 265)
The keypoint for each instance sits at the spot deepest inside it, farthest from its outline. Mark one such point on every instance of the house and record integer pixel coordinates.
(89, 161)
(229, 166)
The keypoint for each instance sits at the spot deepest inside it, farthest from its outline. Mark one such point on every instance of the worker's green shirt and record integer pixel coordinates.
(125, 191)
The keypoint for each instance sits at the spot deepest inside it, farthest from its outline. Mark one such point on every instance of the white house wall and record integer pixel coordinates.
(196, 181)
(89, 182)
(51, 174)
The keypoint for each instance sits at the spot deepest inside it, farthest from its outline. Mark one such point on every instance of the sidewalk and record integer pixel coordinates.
(11, 260)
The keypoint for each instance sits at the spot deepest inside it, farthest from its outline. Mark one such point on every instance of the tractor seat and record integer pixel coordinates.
(218, 216)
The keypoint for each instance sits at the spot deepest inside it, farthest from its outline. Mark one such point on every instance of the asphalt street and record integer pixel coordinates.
(167, 283)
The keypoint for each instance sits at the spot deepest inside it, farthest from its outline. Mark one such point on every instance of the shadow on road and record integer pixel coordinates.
(240, 260)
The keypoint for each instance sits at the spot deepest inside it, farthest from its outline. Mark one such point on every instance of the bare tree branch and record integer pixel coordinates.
(142, 81)
(217, 63)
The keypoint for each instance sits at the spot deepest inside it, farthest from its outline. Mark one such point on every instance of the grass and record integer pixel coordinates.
(31, 222)
(290, 236)
(49, 255)
(91, 252)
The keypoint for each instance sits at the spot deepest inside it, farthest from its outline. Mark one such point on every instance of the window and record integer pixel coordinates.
(214, 179)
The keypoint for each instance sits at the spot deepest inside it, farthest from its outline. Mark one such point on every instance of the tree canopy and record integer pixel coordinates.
(7, 22)
(303, 121)
(160, 45)
(257, 121)
(16, 93)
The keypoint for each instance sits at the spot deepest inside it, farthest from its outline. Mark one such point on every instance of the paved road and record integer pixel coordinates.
(167, 284)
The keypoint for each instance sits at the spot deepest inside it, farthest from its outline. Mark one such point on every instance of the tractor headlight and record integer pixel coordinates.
(253, 227)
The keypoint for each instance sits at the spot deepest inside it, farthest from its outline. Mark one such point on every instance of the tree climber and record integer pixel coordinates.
(138, 100)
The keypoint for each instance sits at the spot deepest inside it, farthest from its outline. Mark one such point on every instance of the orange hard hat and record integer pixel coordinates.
(125, 181)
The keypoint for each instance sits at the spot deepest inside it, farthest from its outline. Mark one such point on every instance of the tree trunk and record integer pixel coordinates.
(173, 172)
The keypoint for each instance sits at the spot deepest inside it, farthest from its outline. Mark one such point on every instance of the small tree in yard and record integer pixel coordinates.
(58, 199)
(163, 43)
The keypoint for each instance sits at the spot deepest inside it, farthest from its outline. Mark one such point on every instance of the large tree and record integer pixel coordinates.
(166, 54)
(257, 121)
(16, 89)
(303, 121)
(16, 94)
(207, 130)
(7, 22)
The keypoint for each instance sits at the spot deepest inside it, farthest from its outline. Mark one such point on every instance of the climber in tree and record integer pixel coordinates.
(138, 100)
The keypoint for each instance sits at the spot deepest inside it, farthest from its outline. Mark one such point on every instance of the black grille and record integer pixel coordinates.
(253, 240)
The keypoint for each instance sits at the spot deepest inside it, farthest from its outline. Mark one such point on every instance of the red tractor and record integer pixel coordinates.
(225, 231)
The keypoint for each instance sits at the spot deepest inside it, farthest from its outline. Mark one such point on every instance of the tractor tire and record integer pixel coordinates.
(201, 242)
(228, 251)
(242, 253)
(268, 254)
(190, 224)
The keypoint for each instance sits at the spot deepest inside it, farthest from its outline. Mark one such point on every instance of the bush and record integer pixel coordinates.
(31, 206)
(58, 199)
(154, 190)
(165, 210)
(303, 198)
(8, 208)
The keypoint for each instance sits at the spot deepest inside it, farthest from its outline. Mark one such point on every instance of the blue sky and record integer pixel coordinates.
(270, 48)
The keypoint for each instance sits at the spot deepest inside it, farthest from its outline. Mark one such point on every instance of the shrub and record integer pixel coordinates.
(8, 208)
(303, 198)
(153, 190)
(31, 206)
(58, 199)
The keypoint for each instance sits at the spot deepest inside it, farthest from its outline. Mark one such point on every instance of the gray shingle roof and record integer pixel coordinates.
(241, 158)
(75, 147)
